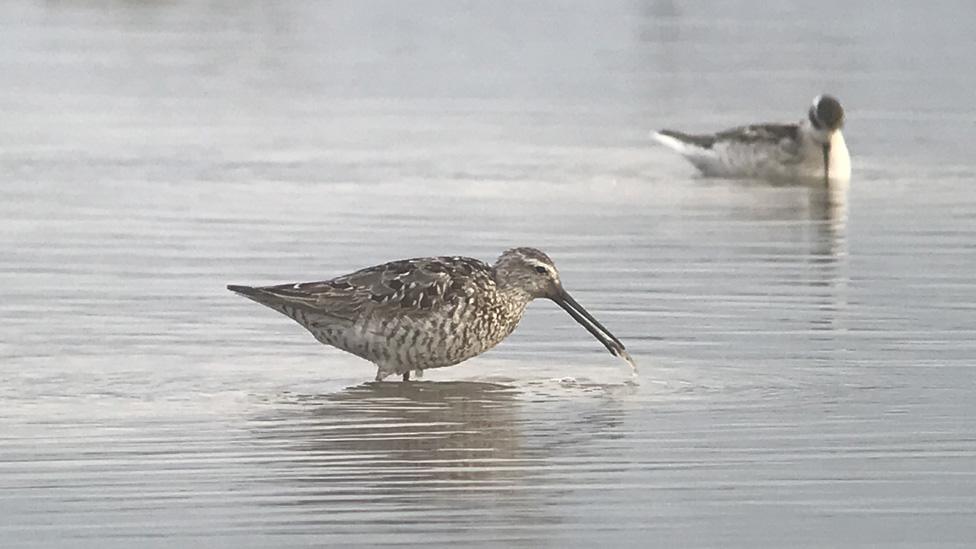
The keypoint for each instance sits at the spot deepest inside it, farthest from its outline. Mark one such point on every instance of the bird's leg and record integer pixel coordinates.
(406, 375)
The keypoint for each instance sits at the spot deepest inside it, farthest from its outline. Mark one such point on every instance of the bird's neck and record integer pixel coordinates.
(812, 134)
(510, 306)
(515, 295)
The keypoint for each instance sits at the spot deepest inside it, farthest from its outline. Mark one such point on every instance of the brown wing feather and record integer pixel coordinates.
(755, 133)
(413, 286)
(784, 136)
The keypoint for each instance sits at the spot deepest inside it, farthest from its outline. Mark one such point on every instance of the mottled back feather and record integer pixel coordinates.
(408, 287)
(761, 133)
(746, 135)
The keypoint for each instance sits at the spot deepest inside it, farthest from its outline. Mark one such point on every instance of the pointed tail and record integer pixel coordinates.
(269, 299)
(684, 143)
(264, 297)
(247, 291)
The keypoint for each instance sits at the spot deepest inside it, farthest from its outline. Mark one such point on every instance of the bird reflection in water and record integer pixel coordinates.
(465, 449)
(800, 234)
(397, 435)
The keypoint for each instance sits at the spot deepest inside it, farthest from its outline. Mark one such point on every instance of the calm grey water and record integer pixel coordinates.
(807, 358)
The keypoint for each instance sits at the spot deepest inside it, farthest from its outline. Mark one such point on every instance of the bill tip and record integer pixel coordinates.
(629, 359)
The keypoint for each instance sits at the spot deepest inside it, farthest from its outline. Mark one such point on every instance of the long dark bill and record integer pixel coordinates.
(826, 158)
(593, 326)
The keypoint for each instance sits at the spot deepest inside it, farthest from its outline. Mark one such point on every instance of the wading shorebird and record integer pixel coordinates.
(429, 312)
(813, 148)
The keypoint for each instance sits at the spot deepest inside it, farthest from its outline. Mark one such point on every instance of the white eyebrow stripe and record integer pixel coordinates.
(537, 263)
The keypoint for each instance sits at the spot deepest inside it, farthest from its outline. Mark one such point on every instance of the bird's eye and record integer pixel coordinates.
(541, 270)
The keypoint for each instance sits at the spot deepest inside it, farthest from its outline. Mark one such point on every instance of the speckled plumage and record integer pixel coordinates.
(772, 151)
(416, 314)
